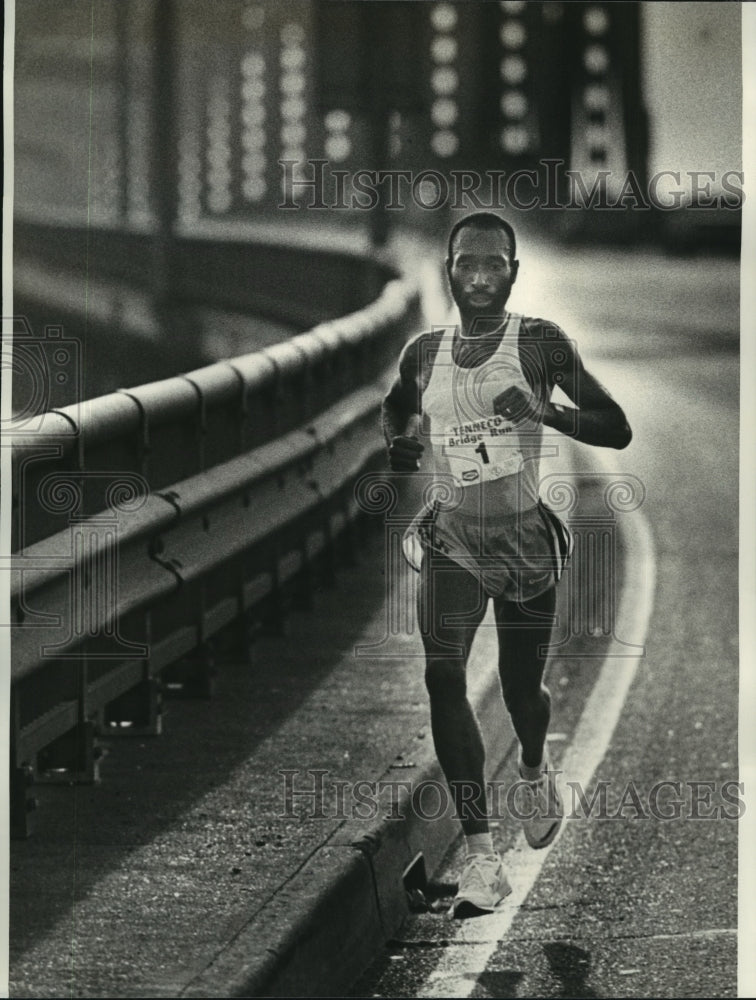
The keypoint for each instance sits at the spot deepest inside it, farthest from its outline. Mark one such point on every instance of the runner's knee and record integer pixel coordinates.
(445, 679)
(530, 699)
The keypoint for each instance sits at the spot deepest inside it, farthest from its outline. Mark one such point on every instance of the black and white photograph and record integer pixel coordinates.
(379, 580)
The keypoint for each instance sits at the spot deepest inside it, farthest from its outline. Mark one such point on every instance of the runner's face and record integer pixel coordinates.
(482, 272)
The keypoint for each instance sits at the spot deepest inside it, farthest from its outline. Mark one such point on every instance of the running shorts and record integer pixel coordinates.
(517, 558)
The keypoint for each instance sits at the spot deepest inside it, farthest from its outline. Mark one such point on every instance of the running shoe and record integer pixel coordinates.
(482, 886)
(542, 804)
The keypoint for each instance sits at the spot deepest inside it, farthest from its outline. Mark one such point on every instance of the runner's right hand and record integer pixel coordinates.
(405, 453)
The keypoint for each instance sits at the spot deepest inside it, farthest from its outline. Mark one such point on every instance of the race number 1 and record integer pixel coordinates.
(482, 451)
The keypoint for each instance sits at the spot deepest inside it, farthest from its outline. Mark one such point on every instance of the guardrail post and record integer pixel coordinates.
(194, 676)
(137, 712)
(302, 582)
(272, 609)
(22, 801)
(73, 757)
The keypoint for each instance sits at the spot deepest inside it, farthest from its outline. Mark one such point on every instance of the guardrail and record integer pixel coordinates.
(99, 286)
(238, 270)
(147, 520)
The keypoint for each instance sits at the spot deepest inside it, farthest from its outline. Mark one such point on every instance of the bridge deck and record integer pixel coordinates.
(133, 887)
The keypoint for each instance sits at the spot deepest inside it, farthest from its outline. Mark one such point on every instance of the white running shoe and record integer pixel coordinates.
(482, 886)
(542, 804)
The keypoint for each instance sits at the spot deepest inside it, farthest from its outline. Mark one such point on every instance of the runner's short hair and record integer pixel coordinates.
(482, 220)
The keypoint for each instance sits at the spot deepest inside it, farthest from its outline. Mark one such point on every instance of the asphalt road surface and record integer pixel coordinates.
(110, 897)
(627, 903)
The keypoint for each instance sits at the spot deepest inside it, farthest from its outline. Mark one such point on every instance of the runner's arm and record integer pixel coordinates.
(405, 397)
(401, 410)
(596, 419)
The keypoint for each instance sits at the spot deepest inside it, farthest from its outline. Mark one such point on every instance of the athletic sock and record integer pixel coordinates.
(479, 843)
(531, 773)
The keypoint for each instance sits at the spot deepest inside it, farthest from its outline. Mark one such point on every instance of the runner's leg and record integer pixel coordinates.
(524, 631)
(446, 589)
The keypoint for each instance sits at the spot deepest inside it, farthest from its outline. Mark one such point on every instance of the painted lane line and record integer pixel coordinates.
(705, 934)
(457, 973)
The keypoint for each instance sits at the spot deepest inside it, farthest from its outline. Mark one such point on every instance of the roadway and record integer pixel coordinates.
(131, 887)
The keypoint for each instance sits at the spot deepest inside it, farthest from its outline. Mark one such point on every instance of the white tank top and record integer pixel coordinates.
(493, 463)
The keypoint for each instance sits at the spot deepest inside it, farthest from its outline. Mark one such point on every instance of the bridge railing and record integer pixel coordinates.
(99, 308)
(149, 519)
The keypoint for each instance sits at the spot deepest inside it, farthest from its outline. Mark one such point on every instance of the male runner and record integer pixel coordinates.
(482, 392)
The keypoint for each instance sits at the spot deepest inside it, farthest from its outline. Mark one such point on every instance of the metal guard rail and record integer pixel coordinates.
(222, 268)
(170, 430)
(150, 564)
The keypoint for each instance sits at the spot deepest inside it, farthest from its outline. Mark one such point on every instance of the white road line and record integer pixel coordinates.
(707, 934)
(457, 973)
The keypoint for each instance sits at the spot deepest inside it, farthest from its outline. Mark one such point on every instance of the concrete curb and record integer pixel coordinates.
(327, 923)
(324, 927)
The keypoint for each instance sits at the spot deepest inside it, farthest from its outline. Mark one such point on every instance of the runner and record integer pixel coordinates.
(481, 391)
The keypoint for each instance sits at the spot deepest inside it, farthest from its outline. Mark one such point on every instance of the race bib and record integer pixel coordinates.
(482, 450)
